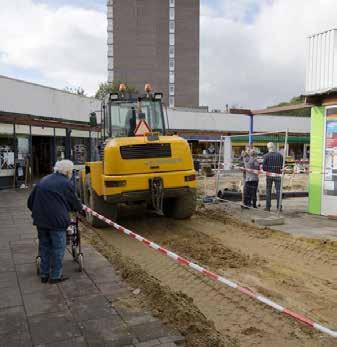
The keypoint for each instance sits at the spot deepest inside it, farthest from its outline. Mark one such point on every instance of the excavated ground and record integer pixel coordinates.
(298, 273)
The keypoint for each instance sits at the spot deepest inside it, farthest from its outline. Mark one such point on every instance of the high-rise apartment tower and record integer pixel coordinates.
(157, 42)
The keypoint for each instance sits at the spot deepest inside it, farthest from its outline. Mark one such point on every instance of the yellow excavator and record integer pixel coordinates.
(138, 162)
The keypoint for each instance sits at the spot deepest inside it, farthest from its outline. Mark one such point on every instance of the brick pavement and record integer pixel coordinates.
(83, 311)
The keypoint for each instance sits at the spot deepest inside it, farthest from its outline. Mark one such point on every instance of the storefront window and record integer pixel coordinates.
(79, 146)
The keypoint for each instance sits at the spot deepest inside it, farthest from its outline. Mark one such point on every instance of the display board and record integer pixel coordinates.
(329, 188)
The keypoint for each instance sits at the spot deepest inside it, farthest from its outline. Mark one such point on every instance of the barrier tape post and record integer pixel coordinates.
(185, 262)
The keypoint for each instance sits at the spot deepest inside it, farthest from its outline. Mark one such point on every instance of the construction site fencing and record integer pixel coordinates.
(245, 170)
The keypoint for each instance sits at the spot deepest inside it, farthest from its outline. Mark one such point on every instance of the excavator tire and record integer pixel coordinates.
(182, 207)
(95, 202)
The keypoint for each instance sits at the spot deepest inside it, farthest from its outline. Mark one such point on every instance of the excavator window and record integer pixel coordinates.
(122, 117)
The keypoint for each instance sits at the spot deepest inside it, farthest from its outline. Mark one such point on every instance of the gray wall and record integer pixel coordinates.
(141, 40)
(187, 52)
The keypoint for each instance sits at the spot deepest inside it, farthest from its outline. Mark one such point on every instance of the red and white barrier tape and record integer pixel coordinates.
(261, 172)
(183, 261)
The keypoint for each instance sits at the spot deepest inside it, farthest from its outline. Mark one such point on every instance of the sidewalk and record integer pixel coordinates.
(83, 311)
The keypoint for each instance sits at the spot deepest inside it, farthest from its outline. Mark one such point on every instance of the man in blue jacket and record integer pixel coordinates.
(51, 201)
(273, 163)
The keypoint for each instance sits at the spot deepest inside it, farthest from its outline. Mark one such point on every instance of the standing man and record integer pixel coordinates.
(251, 180)
(242, 162)
(272, 163)
(51, 201)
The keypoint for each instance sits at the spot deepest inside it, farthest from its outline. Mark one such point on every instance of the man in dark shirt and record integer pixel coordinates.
(51, 201)
(272, 163)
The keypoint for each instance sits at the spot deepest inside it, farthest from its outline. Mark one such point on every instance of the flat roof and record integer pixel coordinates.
(46, 87)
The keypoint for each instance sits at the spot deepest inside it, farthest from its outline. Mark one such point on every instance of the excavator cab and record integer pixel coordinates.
(121, 116)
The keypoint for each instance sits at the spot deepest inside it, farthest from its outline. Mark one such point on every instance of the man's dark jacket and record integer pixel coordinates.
(273, 162)
(51, 201)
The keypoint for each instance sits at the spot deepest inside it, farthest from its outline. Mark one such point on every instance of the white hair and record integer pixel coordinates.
(64, 167)
(271, 146)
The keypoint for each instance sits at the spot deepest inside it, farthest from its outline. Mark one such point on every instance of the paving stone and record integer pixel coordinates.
(13, 328)
(4, 246)
(70, 269)
(101, 274)
(94, 262)
(105, 332)
(24, 255)
(149, 331)
(18, 339)
(6, 255)
(151, 343)
(134, 317)
(76, 342)
(12, 321)
(10, 237)
(178, 339)
(76, 287)
(92, 307)
(10, 297)
(47, 301)
(6, 221)
(53, 327)
(109, 288)
(8, 279)
(23, 243)
(28, 279)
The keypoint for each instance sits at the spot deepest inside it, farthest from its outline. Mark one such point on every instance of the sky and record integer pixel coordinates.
(252, 52)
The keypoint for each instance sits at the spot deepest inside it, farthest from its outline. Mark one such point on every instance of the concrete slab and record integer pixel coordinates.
(46, 301)
(92, 307)
(76, 287)
(24, 254)
(110, 288)
(149, 331)
(106, 332)
(12, 320)
(76, 342)
(8, 280)
(134, 317)
(101, 274)
(14, 328)
(10, 297)
(53, 327)
(28, 280)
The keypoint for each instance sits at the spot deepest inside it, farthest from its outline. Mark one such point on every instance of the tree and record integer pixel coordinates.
(293, 101)
(77, 90)
(106, 88)
(305, 112)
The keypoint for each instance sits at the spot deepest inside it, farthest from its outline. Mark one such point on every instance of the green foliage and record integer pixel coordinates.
(106, 88)
(305, 112)
(77, 91)
(293, 101)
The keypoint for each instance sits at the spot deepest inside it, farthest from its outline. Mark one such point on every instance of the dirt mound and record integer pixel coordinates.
(220, 214)
(173, 308)
(205, 250)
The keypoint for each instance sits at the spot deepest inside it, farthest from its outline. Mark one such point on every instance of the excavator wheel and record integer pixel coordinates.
(182, 207)
(96, 203)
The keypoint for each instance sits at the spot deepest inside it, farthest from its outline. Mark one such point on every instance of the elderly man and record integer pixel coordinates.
(251, 180)
(51, 201)
(273, 163)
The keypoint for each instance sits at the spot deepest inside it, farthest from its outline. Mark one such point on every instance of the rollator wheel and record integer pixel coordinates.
(74, 252)
(38, 263)
(80, 261)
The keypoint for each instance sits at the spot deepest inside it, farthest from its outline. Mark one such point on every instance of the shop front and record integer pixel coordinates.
(29, 151)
